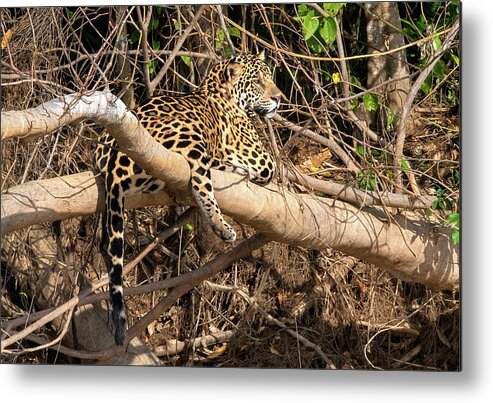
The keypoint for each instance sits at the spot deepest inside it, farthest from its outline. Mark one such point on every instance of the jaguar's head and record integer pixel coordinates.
(249, 83)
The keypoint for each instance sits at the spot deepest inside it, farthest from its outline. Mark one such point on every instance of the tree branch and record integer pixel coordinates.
(410, 247)
(406, 109)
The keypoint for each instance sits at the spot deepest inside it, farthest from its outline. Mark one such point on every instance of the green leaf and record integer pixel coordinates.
(453, 219)
(218, 43)
(176, 24)
(353, 103)
(188, 227)
(370, 101)
(154, 24)
(156, 45)
(455, 236)
(440, 69)
(235, 32)
(360, 149)
(151, 66)
(310, 26)
(426, 86)
(391, 118)
(134, 36)
(421, 23)
(303, 9)
(456, 59)
(186, 60)
(333, 8)
(328, 31)
(315, 45)
(405, 164)
(437, 43)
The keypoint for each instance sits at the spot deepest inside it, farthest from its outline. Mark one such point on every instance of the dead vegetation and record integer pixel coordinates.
(281, 306)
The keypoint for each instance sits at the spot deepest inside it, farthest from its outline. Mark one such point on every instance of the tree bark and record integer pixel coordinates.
(410, 247)
(384, 32)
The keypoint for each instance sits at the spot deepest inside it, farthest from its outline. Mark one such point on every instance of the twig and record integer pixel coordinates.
(328, 142)
(43, 321)
(340, 50)
(174, 347)
(405, 328)
(194, 278)
(85, 296)
(404, 360)
(188, 281)
(268, 45)
(397, 325)
(406, 109)
(179, 43)
(359, 197)
(253, 303)
(144, 24)
(372, 89)
(45, 345)
(20, 74)
(224, 28)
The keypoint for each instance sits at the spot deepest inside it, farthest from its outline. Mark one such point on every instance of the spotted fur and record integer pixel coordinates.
(212, 128)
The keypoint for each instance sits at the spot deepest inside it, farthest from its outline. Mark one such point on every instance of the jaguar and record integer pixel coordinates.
(212, 127)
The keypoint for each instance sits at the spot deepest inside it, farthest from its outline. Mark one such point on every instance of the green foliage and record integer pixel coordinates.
(360, 150)
(328, 31)
(454, 220)
(187, 60)
(391, 120)
(151, 65)
(370, 101)
(319, 31)
(434, 17)
(333, 8)
(367, 180)
(440, 203)
(221, 44)
(405, 164)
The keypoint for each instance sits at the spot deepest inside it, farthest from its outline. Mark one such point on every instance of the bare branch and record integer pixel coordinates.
(406, 109)
(179, 43)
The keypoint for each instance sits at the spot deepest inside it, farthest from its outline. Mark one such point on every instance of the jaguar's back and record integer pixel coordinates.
(210, 127)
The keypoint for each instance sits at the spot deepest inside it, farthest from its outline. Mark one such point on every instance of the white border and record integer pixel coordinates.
(77, 383)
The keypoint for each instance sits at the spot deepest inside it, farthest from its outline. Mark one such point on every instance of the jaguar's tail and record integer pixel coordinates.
(112, 249)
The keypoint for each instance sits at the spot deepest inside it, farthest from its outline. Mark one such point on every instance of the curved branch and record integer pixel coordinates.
(410, 248)
(406, 108)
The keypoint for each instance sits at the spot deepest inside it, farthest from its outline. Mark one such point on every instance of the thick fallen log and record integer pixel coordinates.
(410, 247)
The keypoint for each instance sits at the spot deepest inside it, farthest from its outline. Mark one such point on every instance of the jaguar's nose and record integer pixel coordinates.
(276, 96)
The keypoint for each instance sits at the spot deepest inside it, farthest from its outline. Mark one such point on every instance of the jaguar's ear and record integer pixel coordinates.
(261, 55)
(233, 71)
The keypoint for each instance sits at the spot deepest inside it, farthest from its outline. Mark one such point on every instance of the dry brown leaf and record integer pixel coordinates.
(319, 158)
(280, 297)
(218, 351)
(6, 39)
(275, 351)
(361, 286)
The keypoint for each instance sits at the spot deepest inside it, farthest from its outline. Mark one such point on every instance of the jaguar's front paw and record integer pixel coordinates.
(228, 234)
